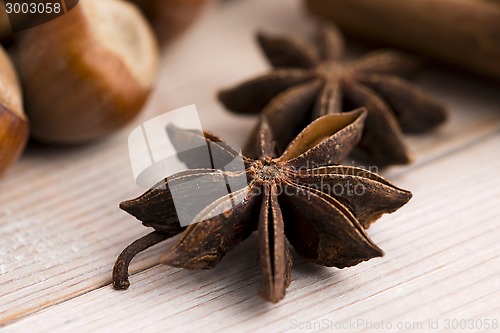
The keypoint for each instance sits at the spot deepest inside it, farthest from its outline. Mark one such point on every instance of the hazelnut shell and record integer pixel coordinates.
(13, 123)
(87, 73)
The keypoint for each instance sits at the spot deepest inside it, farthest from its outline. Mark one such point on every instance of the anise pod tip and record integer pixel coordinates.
(134, 208)
(127, 205)
(222, 96)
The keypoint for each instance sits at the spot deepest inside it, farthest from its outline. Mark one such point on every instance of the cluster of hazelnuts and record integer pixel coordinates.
(82, 76)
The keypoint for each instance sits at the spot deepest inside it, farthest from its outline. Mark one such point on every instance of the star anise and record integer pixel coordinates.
(303, 198)
(309, 82)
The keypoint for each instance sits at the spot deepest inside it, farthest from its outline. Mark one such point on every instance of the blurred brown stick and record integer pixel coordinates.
(462, 32)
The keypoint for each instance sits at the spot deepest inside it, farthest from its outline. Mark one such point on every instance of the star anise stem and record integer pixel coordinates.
(120, 270)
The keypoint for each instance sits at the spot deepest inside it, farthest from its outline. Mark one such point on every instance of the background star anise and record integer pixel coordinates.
(301, 198)
(309, 82)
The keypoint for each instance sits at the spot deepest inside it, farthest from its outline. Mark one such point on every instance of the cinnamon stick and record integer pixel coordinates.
(462, 32)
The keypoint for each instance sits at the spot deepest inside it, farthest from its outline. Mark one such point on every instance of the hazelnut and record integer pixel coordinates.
(170, 18)
(13, 123)
(87, 73)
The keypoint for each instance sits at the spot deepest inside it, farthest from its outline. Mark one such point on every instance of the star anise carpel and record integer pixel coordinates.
(307, 82)
(302, 199)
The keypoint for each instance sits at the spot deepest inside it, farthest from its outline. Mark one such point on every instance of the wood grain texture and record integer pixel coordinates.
(61, 228)
(441, 262)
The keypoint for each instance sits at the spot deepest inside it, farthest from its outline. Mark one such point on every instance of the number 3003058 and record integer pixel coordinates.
(33, 8)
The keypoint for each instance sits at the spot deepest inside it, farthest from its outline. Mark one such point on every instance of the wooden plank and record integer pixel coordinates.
(60, 225)
(61, 229)
(441, 263)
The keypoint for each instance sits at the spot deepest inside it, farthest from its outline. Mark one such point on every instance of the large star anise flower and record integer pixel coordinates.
(309, 82)
(302, 198)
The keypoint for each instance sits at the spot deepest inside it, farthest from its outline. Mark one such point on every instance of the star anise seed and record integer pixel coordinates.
(302, 199)
(309, 82)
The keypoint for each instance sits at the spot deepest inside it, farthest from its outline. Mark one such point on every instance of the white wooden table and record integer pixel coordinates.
(61, 229)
